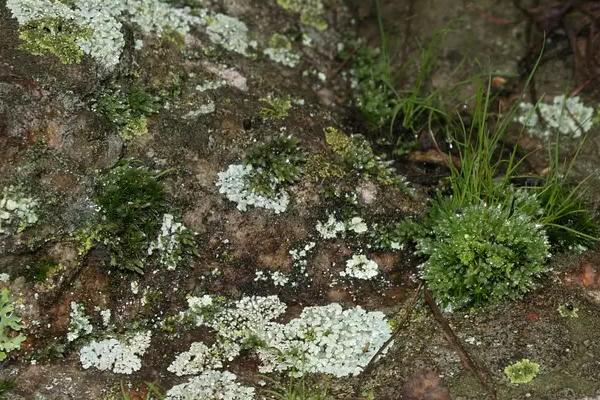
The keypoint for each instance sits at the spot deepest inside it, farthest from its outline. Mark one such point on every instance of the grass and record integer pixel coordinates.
(298, 390)
(6, 385)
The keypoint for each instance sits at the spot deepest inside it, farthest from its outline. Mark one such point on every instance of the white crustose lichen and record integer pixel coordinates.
(233, 183)
(168, 243)
(360, 267)
(79, 324)
(119, 356)
(567, 116)
(16, 209)
(211, 385)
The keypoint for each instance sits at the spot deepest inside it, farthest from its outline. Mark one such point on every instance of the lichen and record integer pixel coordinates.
(79, 324)
(121, 356)
(10, 326)
(280, 51)
(311, 12)
(566, 116)
(17, 210)
(211, 385)
(229, 32)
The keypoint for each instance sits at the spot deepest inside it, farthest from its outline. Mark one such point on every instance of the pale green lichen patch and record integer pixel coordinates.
(280, 51)
(55, 36)
(311, 12)
(230, 33)
(10, 325)
(17, 209)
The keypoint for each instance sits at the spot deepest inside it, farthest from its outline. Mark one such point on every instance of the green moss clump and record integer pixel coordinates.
(319, 168)
(373, 91)
(132, 202)
(129, 111)
(394, 236)
(10, 325)
(55, 36)
(568, 311)
(523, 371)
(311, 12)
(356, 154)
(40, 271)
(276, 163)
(275, 107)
(482, 254)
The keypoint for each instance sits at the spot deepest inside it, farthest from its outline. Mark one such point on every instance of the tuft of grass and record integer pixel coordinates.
(132, 201)
(298, 390)
(488, 239)
(6, 385)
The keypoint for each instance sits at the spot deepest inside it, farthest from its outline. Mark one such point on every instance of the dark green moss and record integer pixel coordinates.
(132, 202)
(40, 270)
(129, 111)
(276, 163)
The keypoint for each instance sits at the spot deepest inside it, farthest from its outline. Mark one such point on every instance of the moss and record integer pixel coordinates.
(482, 254)
(55, 36)
(41, 270)
(523, 371)
(279, 41)
(128, 112)
(311, 12)
(276, 163)
(275, 107)
(132, 202)
(356, 154)
(319, 168)
(373, 91)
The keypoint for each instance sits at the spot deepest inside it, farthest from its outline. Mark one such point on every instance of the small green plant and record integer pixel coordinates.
(566, 218)
(10, 326)
(6, 385)
(356, 155)
(374, 93)
(523, 371)
(275, 107)
(276, 163)
(128, 112)
(482, 254)
(394, 236)
(132, 203)
(55, 36)
(311, 12)
(298, 390)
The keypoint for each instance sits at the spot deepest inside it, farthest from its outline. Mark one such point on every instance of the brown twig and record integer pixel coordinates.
(371, 364)
(481, 374)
